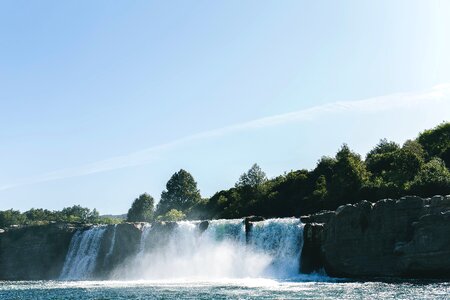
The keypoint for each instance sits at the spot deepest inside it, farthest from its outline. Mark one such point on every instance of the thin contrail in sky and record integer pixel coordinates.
(439, 93)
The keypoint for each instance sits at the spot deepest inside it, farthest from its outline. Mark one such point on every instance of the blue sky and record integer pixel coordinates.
(101, 101)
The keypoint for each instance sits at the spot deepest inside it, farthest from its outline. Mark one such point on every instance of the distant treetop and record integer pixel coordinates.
(253, 177)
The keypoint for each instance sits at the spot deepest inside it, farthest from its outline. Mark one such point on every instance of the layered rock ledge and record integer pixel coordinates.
(408, 237)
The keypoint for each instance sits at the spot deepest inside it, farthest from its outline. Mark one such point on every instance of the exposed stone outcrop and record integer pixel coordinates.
(248, 223)
(203, 225)
(34, 252)
(409, 237)
(311, 259)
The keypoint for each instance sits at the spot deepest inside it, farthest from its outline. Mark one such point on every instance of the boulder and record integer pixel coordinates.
(203, 225)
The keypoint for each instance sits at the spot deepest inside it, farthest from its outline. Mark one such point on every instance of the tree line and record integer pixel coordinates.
(39, 216)
(389, 170)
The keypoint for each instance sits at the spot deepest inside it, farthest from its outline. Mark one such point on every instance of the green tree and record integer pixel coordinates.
(172, 215)
(320, 191)
(381, 157)
(11, 217)
(77, 213)
(415, 147)
(432, 179)
(253, 177)
(406, 164)
(391, 168)
(325, 166)
(142, 209)
(436, 141)
(39, 215)
(181, 193)
(383, 146)
(349, 175)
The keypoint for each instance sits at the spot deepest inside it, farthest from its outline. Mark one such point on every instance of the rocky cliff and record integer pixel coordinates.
(35, 252)
(39, 252)
(409, 237)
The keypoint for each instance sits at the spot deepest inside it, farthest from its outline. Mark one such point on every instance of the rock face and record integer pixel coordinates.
(35, 252)
(311, 252)
(409, 237)
(119, 243)
(248, 225)
(39, 252)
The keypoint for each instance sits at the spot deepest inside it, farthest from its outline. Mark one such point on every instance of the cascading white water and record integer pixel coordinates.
(145, 232)
(185, 252)
(231, 229)
(221, 251)
(81, 258)
(271, 249)
(282, 239)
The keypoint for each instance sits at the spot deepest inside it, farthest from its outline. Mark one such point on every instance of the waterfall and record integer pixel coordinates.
(185, 252)
(282, 239)
(220, 251)
(190, 250)
(81, 258)
(231, 229)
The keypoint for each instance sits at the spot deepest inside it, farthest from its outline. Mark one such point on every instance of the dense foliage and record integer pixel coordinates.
(172, 215)
(253, 177)
(74, 214)
(389, 170)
